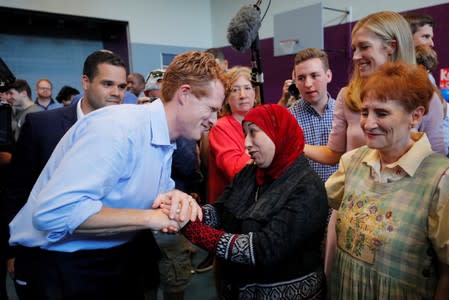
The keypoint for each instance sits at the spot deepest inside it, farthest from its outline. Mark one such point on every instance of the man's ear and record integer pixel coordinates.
(85, 82)
(183, 93)
(328, 75)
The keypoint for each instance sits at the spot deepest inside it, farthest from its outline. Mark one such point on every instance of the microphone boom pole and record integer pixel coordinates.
(256, 71)
(243, 34)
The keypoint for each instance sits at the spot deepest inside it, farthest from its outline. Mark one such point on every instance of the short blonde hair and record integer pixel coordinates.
(231, 76)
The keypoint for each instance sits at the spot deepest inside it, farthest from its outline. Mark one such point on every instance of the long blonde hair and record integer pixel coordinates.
(388, 26)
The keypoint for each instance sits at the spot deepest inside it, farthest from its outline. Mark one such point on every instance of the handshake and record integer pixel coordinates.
(173, 210)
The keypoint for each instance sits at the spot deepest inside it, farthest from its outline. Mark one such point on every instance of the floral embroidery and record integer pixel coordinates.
(363, 226)
(359, 245)
(349, 238)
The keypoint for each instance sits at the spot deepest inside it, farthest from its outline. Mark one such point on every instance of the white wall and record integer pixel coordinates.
(163, 22)
(223, 11)
(200, 23)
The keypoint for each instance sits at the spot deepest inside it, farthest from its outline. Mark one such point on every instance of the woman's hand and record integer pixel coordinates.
(285, 92)
(179, 206)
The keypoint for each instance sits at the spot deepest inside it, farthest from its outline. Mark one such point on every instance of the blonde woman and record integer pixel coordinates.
(392, 197)
(376, 39)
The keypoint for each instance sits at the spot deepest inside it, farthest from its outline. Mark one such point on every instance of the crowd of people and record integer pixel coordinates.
(309, 198)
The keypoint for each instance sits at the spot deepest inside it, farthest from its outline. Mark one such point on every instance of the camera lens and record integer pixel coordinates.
(293, 90)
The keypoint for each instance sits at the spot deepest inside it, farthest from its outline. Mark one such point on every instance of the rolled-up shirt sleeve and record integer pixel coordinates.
(335, 184)
(338, 134)
(86, 172)
(438, 220)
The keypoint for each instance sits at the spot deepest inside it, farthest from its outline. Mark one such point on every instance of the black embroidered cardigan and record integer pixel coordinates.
(271, 233)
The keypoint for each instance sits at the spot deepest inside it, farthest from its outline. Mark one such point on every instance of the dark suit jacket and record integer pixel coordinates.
(38, 138)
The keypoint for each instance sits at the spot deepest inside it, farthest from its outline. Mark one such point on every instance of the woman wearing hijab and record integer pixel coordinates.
(266, 228)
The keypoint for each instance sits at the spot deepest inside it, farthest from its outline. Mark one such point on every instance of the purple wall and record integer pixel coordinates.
(337, 44)
(275, 69)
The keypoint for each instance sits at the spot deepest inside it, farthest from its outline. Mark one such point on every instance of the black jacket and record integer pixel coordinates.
(287, 223)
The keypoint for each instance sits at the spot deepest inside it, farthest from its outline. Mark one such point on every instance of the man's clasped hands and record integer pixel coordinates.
(175, 209)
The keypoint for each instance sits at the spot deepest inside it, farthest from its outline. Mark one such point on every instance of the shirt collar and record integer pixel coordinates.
(52, 101)
(79, 111)
(159, 127)
(410, 161)
(301, 101)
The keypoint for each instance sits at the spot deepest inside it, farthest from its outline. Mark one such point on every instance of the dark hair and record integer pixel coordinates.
(20, 85)
(217, 53)
(91, 63)
(404, 83)
(138, 76)
(66, 92)
(426, 57)
(418, 20)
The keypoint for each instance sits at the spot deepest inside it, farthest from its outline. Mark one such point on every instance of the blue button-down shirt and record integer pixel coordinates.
(316, 129)
(118, 156)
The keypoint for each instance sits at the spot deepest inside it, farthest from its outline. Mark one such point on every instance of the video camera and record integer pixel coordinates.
(6, 78)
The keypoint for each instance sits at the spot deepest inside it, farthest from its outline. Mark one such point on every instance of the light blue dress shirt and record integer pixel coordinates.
(118, 156)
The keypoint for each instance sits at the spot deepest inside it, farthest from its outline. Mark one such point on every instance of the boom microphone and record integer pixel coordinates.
(244, 27)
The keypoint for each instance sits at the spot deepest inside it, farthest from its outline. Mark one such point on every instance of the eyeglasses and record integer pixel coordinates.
(235, 90)
(44, 88)
(157, 74)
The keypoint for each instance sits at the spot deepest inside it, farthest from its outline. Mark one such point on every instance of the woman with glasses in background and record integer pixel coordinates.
(225, 151)
(227, 154)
